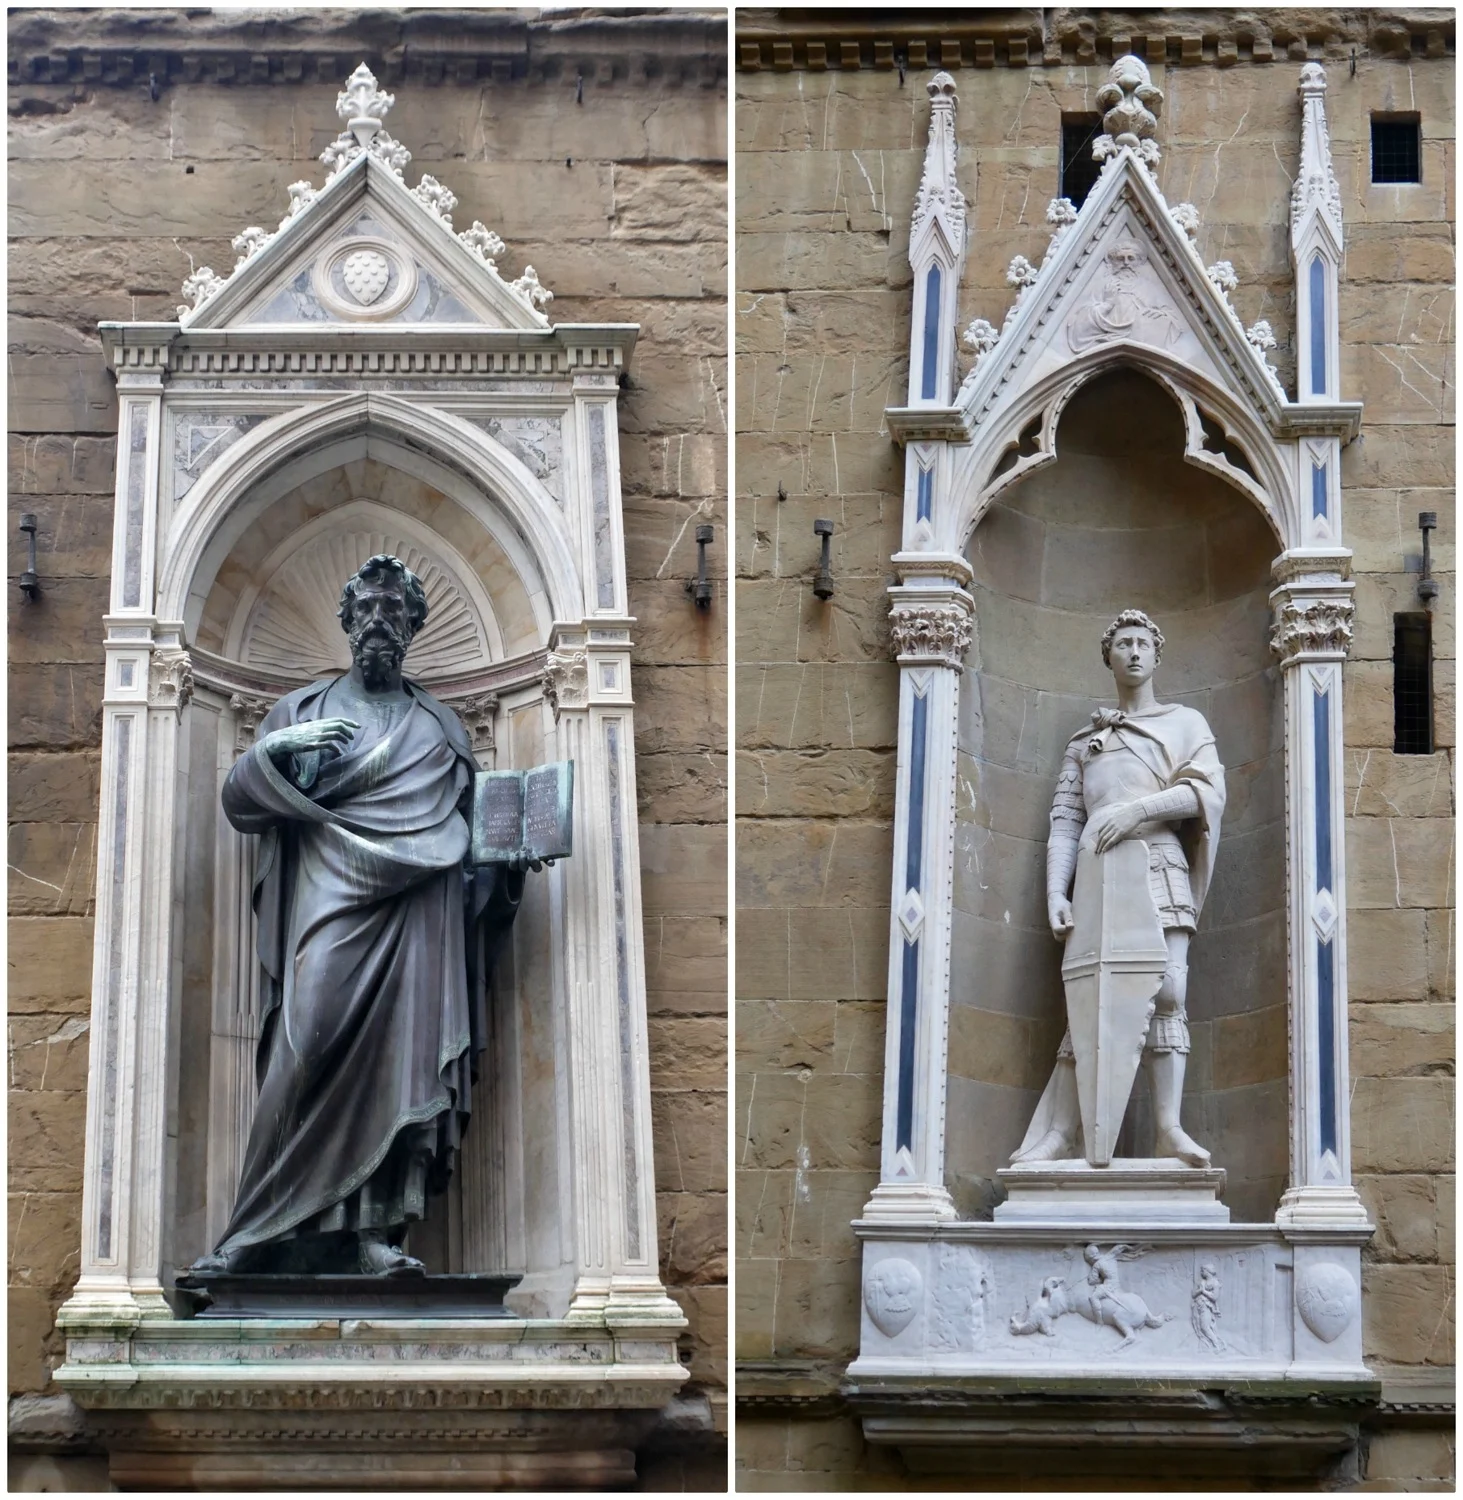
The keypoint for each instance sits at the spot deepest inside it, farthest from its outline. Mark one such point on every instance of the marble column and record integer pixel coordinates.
(1311, 636)
(931, 619)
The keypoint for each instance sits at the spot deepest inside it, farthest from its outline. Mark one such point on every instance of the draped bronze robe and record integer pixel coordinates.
(370, 1026)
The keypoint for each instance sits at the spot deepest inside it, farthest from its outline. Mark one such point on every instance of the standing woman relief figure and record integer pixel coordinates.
(1134, 830)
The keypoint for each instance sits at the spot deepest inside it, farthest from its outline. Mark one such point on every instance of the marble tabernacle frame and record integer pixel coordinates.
(366, 380)
(946, 1357)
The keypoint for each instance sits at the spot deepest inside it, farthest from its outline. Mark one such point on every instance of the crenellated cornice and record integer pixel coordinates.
(121, 48)
(789, 40)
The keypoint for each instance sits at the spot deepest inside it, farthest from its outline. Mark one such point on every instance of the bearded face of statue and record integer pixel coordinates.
(378, 630)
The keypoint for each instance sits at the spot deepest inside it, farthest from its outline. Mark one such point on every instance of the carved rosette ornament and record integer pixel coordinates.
(931, 633)
(566, 680)
(1321, 628)
(170, 679)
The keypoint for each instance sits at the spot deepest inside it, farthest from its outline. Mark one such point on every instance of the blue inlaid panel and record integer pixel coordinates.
(913, 877)
(1325, 950)
(1326, 1040)
(123, 728)
(1322, 735)
(622, 996)
(924, 502)
(908, 1000)
(1318, 327)
(1319, 494)
(928, 388)
(914, 852)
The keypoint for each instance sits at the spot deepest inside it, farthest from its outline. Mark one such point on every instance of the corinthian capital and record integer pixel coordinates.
(170, 679)
(566, 680)
(933, 633)
(1321, 627)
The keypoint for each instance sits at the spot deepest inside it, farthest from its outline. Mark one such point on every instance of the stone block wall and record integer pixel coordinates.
(830, 120)
(615, 190)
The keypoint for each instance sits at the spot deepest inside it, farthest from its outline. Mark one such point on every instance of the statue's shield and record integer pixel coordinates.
(1113, 966)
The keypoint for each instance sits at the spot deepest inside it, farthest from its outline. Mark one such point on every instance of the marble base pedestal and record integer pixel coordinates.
(1000, 1335)
(1127, 1193)
(358, 1403)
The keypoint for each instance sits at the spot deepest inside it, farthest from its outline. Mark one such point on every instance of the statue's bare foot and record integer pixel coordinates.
(381, 1259)
(1055, 1145)
(1176, 1143)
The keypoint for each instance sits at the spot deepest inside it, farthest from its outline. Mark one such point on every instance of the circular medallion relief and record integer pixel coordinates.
(364, 278)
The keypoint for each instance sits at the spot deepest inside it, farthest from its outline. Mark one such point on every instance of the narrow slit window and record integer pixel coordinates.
(1412, 683)
(1396, 148)
(1079, 171)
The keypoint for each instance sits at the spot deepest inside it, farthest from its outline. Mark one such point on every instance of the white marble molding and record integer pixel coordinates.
(367, 380)
(947, 1301)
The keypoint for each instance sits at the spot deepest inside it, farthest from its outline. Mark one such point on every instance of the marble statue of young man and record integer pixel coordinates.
(1145, 771)
(374, 941)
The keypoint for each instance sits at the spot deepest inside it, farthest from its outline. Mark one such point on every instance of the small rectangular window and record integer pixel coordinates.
(1412, 683)
(1079, 171)
(1396, 148)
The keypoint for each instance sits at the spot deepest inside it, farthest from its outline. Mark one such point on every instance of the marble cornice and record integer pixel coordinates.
(253, 47)
(789, 40)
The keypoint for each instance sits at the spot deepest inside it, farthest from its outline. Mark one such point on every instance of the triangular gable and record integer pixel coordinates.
(366, 251)
(1123, 273)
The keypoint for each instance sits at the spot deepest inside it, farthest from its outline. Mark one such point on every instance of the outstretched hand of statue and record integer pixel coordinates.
(329, 736)
(1113, 824)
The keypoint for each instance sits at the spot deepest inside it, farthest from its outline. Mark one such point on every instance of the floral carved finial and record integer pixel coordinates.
(1316, 186)
(483, 243)
(939, 199)
(532, 290)
(1186, 216)
(361, 104)
(439, 200)
(362, 100)
(1130, 102)
(250, 243)
(198, 288)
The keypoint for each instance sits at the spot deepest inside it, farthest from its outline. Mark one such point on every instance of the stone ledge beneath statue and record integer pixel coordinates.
(1172, 1429)
(1127, 1193)
(267, 1361)
(356, 1403)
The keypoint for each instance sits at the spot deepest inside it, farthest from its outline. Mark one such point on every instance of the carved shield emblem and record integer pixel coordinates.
(891, 1294)
(365, 273)
(1326, 1295)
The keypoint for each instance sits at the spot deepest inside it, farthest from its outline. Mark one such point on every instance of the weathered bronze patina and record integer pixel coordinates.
(375, 937)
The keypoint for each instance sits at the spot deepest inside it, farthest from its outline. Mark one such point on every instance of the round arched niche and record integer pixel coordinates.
(1119, 521)
(272, 603)
(268, 614)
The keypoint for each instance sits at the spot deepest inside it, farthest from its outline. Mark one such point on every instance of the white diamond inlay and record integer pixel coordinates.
(1323, 914)
(911, 915)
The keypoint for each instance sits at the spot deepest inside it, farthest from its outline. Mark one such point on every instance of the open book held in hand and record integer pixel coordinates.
(523, 814)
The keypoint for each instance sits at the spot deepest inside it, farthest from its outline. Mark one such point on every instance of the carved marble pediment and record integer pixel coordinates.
(365, 250)
(1122, 270)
